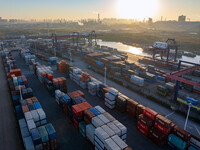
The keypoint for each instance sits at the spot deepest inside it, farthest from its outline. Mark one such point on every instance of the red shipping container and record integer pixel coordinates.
(142, 131)
(60, 82)
(128, 148)
(163, 121)
(75, 123)
(157, 137)
(186, 136)
(145, 120)
(162, 129)
(24, 81)
(65, 109)
(139, 109)
(150, 113)
(34, 99)
(77, 110)
(8, 75)
(88, 115)
(84, 106)
(25, 108)
(50, 76)
(63, 80)
(55, 81)
(29, 101)
(144, 127)
(76, 94)
(19, 73)
(131, 107)
(81, 94)
(43, 74)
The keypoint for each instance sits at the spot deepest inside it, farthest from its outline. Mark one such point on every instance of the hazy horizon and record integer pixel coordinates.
(79, 9)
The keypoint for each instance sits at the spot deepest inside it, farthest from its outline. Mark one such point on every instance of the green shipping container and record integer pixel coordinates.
(170, 86)
(43, 134)
(177, 142)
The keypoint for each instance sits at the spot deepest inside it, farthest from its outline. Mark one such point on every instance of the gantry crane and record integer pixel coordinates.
(172, 44)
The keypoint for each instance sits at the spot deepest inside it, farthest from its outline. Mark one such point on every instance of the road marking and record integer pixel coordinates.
(169, 114)
(197, 130)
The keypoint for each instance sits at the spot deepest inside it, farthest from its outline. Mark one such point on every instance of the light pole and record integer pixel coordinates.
(190, 102)
(20, 92)
(105, 75)
(70, 57)
(188, 113)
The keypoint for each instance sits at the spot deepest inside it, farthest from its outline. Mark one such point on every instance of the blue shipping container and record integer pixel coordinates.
(51, 131)
(37, 105)
(19, 112)
(36, 136)
(94, 111)
(66, 99)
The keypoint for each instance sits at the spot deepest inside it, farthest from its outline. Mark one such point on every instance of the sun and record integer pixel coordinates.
(136, 9)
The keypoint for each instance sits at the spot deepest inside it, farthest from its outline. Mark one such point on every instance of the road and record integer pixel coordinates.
(10, 136)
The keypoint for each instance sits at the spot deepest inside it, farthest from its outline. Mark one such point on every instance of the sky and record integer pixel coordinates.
(79, 9)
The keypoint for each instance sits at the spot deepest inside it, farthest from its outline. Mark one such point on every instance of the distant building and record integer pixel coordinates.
(181, 18)
(150, 21)
(3, 20)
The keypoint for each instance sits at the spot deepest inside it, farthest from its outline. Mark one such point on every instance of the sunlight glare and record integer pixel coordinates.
(136, 9)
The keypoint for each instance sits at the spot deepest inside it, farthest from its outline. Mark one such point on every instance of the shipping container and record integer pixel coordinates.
(157, 137)
(186, 136)
(177, 142)
(150, 113)
(131, 107)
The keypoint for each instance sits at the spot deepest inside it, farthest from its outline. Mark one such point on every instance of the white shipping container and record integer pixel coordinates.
(28, 115)
(120, 126)
(90, 132)
(109, 116)
(108, 130)
(110, 96)
(100, 109)
(35, 115)
(113, 91)
(115, 128)
(119, 141)
(110, 101)
(31, 124)
(111, 145)
(97, 122)
(109, 106)
(161, 45)
(41, 114)
(103, 118)
(101, 134)
(98, 143)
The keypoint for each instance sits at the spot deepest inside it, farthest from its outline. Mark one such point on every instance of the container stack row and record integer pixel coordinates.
(8, 61)
(45, 76)
(28, 57)
(93, 123)
(35, 132)
(153, 125)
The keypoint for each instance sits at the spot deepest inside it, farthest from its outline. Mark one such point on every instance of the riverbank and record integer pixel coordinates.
(186, 41)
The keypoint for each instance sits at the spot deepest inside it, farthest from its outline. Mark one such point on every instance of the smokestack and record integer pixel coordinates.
(98, 18)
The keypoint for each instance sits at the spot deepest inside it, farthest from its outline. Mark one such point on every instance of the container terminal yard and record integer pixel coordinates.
(86, 96)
